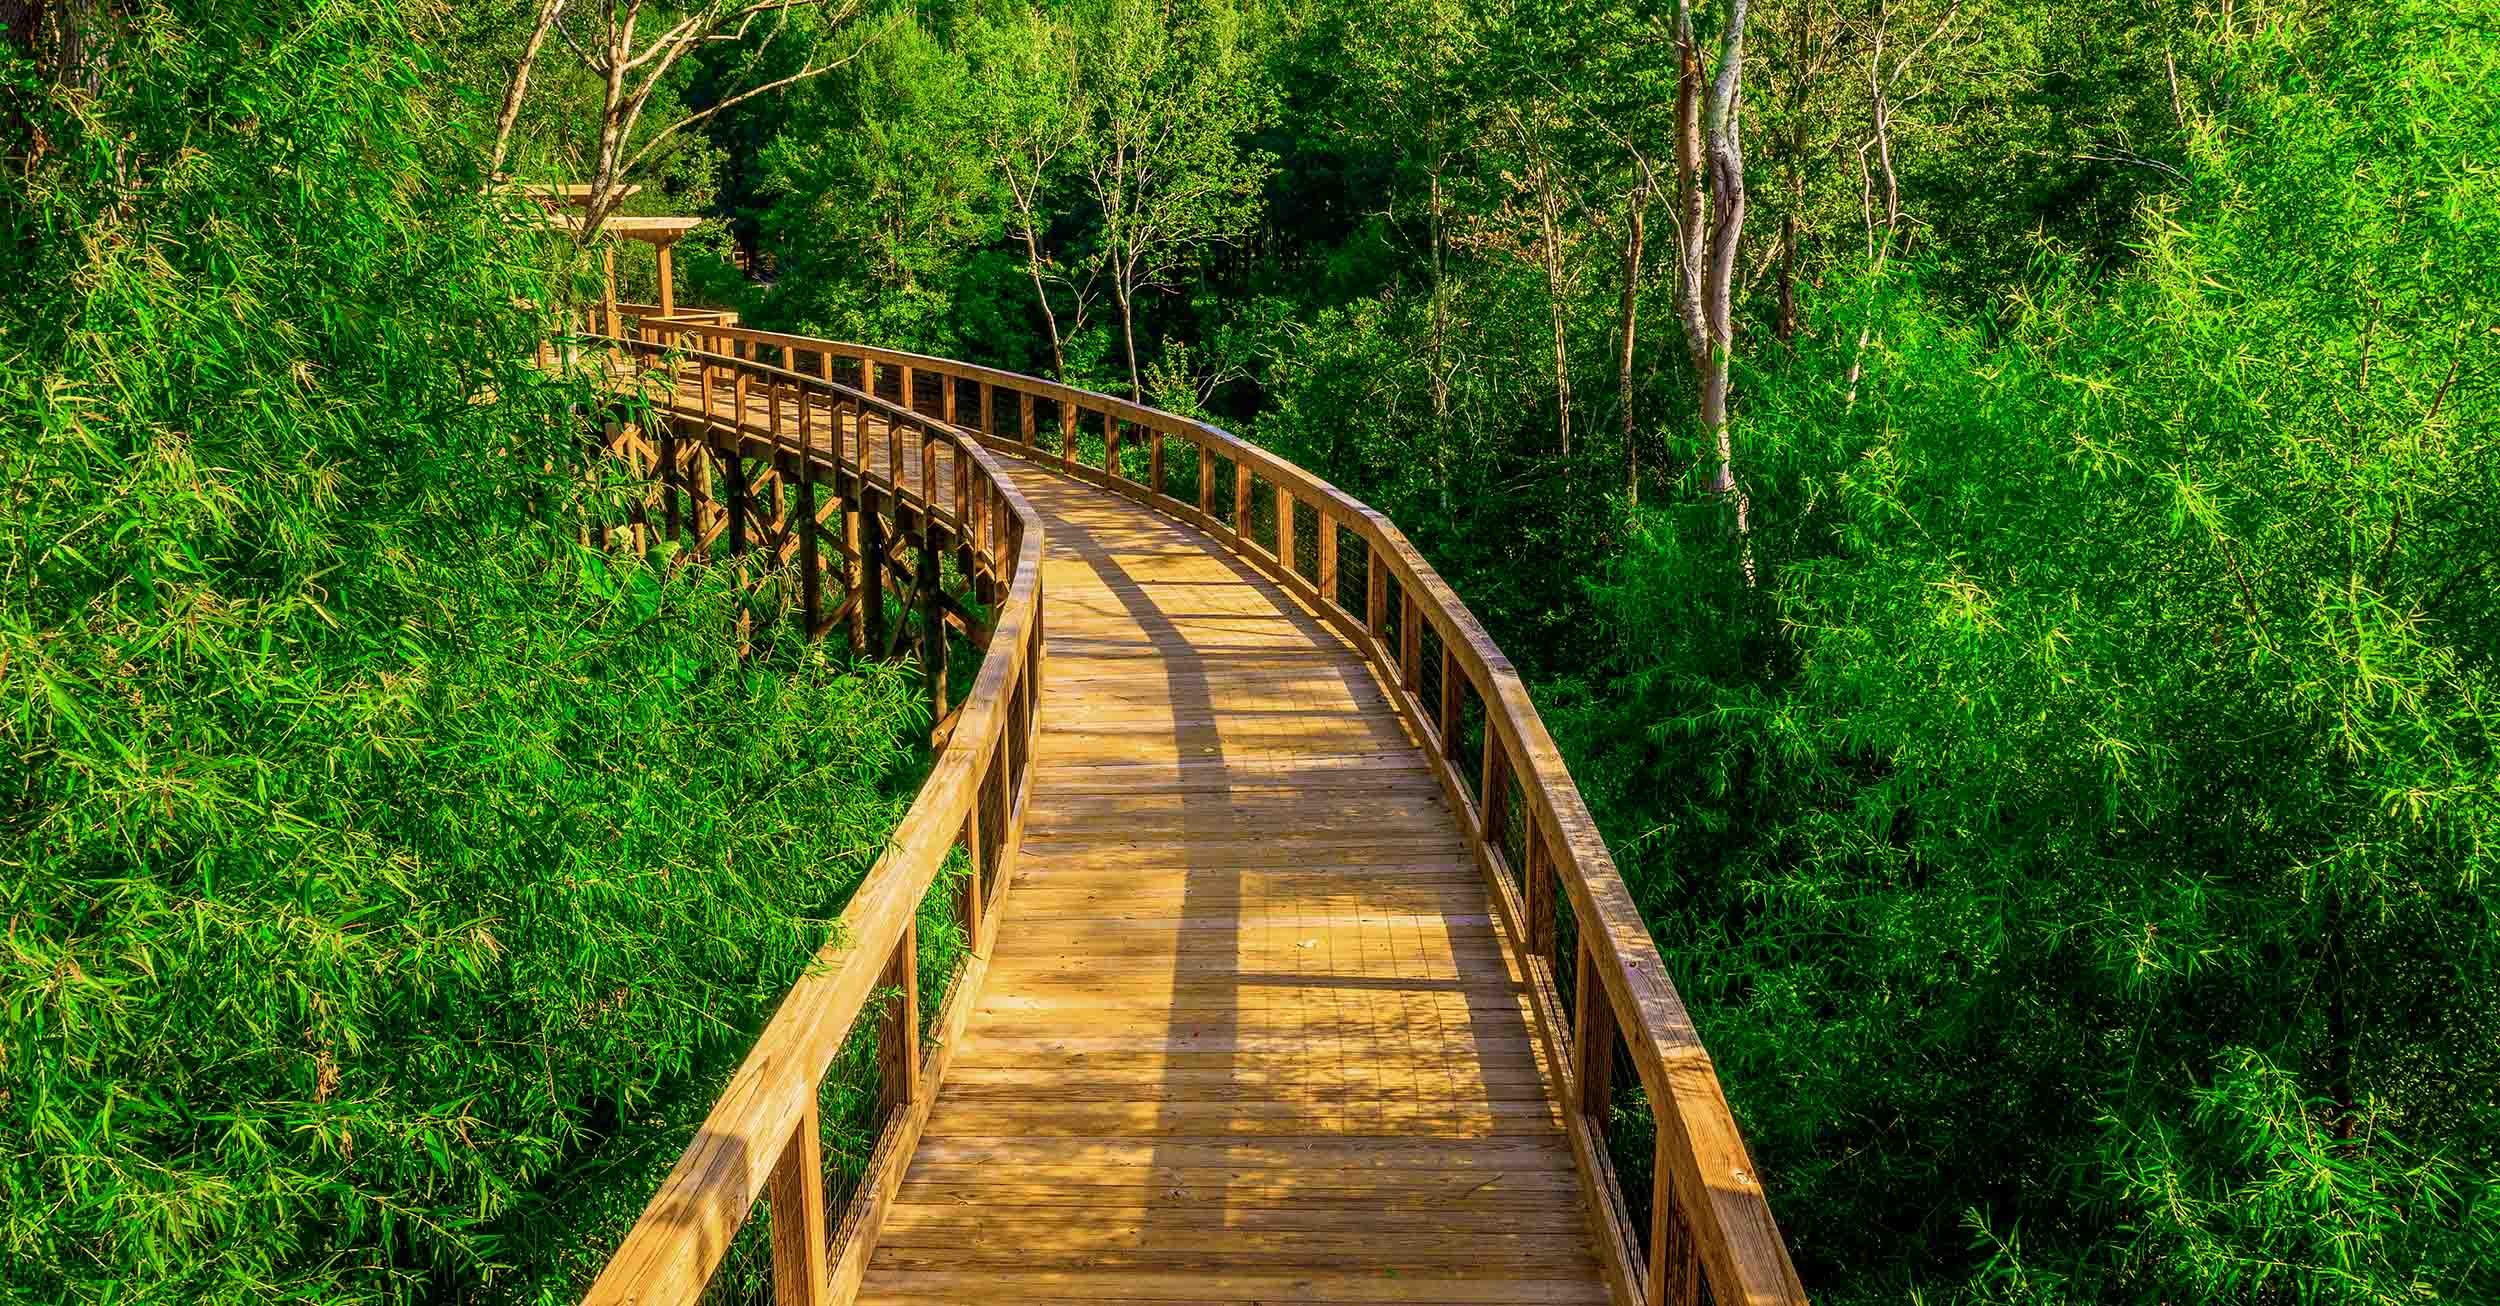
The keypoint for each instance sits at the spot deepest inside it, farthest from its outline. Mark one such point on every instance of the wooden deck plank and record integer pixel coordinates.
(1248, 1033)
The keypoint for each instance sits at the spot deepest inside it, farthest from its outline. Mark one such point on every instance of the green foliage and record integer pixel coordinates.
(2083, 851)
(389, 880)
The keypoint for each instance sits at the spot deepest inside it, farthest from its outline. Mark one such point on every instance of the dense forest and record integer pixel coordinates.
(1997, 498)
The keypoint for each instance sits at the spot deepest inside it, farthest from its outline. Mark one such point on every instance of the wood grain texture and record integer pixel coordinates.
(1272, 939)
(1247, 1032)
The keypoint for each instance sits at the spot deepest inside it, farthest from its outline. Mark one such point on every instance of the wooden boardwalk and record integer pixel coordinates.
(1299, 970)
(1247, 1034)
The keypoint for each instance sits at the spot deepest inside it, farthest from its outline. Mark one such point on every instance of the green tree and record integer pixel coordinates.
(1170, 97)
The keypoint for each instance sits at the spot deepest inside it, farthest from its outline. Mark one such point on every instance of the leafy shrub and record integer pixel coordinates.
(387, 879)
(2080, 853)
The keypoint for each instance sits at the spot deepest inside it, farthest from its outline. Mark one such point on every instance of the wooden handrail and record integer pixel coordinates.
(760, 1136)
(1709, 1219)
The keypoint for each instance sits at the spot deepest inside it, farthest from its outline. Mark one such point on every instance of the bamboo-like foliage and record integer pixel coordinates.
(386, 878)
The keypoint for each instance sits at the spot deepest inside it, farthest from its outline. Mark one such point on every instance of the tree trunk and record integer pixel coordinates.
(1128, 333)
(1630, 325)
(548, 12)
(1033, 265)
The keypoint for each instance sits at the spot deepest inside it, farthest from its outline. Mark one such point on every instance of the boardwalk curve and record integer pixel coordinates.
(1301, 973)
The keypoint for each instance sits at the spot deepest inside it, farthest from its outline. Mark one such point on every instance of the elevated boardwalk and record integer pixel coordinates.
(1297, 970)
(1247, 1034)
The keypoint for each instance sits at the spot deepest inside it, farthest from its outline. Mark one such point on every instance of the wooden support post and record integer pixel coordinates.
(1493, 792)
(1376, 597)
(668, 282)
(898, 1042)
(735, 491)
(988, 423)
(946, 397)
(1410, 643)
(1241, 500)
(1592, 1086)
(670, 475)
(868, 387)
(932, 616)
(968, 902)
(1452, 685)
(1111, 448)
(1068, 416)
(1206, 482)
(811, 573)
(797, 1193)
(704, 508)
(1154, 460)
(1328, 561)
(1674, 1269)
(1024, 411)
(872, 566)
(908, 402)
(854, 570)
(1284, 530)
(1543, 925)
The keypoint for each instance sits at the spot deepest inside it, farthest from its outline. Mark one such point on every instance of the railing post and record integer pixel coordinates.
(1068, 415)
(872, 569)
(1376, 596)
(1024, 415)
(946, 397)
(898, 1041)
(854, 566)
(1206, 482)
(932, 614)
(1451, 687)
(905, 372)
(1592, 1086)
(1675, 1272)
(1284, 529)
(1493, 794)
(1154, 460)
(1241, 500)
(1543, 926)
(797, 1193)
(969, 901)
(811, 574)
(1111, 447)
(1410, 643)
(989, 425)
(1328, 560)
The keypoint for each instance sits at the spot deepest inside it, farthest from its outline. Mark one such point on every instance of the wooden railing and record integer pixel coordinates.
(1615, 1034)
(747, 460)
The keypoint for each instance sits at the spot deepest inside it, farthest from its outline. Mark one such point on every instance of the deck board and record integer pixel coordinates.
(1248, 1034)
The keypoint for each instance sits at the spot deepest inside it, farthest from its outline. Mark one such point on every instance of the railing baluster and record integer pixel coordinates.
(898, 1039)
(1411, 642)
(1451, 688)
(1328, 561)
(1284, 531)
(797, 1193)
(1592, 1086)
(1067, 435)
(1206, 481)
(1241, 501)
(1111, 446)
(932, 616)
(1154, 460)
(1493, 792)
